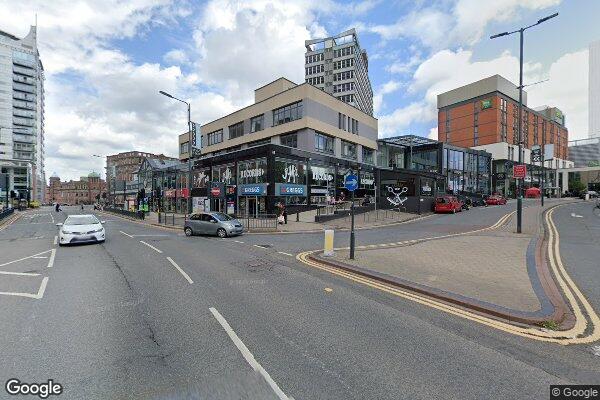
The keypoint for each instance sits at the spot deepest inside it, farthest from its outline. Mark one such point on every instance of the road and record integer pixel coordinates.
(152, 314)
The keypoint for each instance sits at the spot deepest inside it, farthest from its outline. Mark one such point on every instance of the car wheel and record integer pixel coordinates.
(222, 233)
(188, 231)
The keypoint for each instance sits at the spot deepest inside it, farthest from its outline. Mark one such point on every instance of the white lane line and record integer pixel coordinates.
(55, 240)
(40, 257)
(238, 241)
(248, 356)
(285, 254)
(126, 234)
(19, 273)
(37, 295)
(152, 247)
(51, 260)
(186, 276)
(24, 258)
(52, 216)
(147, 235)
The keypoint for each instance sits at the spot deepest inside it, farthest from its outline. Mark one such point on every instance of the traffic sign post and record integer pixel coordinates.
(351, 183)
(519, 171)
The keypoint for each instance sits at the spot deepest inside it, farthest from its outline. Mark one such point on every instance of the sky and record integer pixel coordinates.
(106, 60)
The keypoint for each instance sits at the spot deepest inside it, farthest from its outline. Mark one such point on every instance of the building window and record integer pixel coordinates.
(288, 113)
(289, 140)
(257, 123)
(343, 87)
(214, 137)
(348, 150)
(236, 130)
(184, 147)
(367, 155)
(340, 76)
(347, 63)
(323, 143)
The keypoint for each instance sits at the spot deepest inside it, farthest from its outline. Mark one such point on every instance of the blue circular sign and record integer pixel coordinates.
(351, 182)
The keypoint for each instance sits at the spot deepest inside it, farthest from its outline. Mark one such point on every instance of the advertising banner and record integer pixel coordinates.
(289, 189)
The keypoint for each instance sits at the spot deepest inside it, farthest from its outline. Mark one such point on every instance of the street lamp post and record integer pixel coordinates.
(521, 31)
(189, 180)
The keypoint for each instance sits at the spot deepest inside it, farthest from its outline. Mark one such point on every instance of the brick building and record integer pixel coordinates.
(484, 115)
(86, 190)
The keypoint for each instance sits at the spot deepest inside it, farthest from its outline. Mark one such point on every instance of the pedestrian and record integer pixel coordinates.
(284, 213)
(57, 207)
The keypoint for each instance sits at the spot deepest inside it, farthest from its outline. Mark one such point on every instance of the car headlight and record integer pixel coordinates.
(98, 230)
(66, 232)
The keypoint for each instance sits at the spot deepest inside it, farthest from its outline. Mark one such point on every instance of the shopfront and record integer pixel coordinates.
(409, 191)
(252, 187)
(225, 200)
(321, 184)
(290, 176)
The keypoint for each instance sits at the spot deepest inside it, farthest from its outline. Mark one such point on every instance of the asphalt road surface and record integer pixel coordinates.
(152, 314)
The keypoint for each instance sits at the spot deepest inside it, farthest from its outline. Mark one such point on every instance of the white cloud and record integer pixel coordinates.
(433, 133)
(463, 24)
(386, 88)
(176, 56)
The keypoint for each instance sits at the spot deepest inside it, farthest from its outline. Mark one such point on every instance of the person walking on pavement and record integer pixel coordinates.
(284, 213)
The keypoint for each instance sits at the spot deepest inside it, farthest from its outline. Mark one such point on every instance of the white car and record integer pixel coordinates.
(81, 229)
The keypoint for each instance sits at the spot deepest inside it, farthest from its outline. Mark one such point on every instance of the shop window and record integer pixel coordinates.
(323, 143)
(348, 150)
(289, 140)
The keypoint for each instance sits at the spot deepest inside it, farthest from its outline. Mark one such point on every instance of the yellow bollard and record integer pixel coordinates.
(328, 247)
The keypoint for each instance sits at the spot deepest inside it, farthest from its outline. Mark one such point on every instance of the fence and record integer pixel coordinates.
(127, 213)
(265, 222)
(6, 213)
(383, 215)
(172, 219)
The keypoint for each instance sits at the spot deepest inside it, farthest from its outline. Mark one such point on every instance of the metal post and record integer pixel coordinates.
(543, 161)
(124, 196)
(7, 182)
(519, 183)
(352, 228)
(190, 150)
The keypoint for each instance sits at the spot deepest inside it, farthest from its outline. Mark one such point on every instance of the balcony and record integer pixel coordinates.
(23, 113)
(23, 87)
(23, 104)
(23, 96)
(25, 80)
(24, 71)
(23, 121)
(23, 138)
(24, 63)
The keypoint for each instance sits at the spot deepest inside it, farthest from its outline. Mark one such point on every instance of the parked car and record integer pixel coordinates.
(212, 223)
(479, 202)
(593, 194)
(495, 200)
(81, 229)
(465, 202)
(445, 204)
(533, 193)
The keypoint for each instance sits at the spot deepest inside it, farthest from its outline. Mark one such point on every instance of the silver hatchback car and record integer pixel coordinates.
(212, 223)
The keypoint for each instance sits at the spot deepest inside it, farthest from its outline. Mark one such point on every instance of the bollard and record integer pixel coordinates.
(328, 246)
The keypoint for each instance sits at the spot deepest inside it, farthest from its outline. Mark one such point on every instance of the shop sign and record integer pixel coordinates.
(519, 171)
(500, 176)
(183, 192)
(200, 179)
(170, 193)
(217, 189)
(252, 173)
(259, 189)
(321, 174)
(230, 207)
(367, 179)
(288, 189)
(395, 195)
(426, 189)
(487, 103)
(319, 191)
(290, 174)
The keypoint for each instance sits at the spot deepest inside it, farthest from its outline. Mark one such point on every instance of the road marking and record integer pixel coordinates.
(148, 235)
(576, 216)
(51, 261)
(55, 240)
(126, 234)
(248, 356)
(25, 258)
(238, 241)
(19, 273)
(36, 296)
(328, 289)
(52, 216)
(186, 276)
(152, 247)
(39, 257)
(285, 254)
(570, 290)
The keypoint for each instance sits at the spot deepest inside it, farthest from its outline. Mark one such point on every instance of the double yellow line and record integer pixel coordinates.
(585, 330)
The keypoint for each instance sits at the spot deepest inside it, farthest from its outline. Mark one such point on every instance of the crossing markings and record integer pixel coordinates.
(37, 296)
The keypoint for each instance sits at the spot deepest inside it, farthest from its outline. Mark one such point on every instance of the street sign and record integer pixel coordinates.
(351, 182)
(519, 171)
(215, 191)
(536, 153)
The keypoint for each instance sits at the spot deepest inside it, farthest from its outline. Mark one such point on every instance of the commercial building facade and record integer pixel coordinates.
(483, 115)
(585, 152)
(87, 190)
(22, 115)
(338, 66)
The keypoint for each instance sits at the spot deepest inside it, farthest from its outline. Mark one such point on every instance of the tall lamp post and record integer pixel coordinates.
(521, 31)
(189, 180)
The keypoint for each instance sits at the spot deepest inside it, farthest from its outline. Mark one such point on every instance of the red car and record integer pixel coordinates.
(495, 200)
(447, 204)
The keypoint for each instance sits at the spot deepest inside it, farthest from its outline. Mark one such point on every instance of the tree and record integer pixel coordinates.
(576, 186)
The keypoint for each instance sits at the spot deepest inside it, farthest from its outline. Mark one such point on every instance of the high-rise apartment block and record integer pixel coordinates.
(594, 90)
(338, 66)
(22, 115)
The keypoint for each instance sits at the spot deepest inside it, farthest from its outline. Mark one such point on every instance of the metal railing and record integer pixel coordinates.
(6, 213)
(172, 219)
(266, 222)
(127, 213)
(383, 214)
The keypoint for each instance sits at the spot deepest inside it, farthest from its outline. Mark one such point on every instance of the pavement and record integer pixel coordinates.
(121, 320)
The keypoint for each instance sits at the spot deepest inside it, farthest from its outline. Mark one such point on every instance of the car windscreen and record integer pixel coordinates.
(81, 220)
(222, 217)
